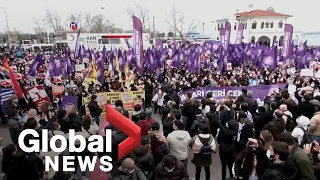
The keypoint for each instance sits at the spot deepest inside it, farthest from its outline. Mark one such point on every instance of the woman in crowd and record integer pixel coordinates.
(227, 146)
(89, 126)
(203, 145)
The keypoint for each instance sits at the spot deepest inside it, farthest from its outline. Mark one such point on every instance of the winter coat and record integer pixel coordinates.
(252, 104)
(213, 119)
(178, 142)
(199, 120)
(197, 144)
(307, 109)
(279, 172)
(314, 127)
(15, 129)
(226, 138)
(94, 108)
(303, 122)
(116, 174)
(302, 163)
(226, 115)
(179, 172)
(257, 121)
(144, 160)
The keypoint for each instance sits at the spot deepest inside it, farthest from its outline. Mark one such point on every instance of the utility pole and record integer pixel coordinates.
(154, 29)
(203, 31)
(8, 31)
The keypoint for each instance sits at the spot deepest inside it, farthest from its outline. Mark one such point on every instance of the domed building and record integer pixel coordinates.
(263, 26)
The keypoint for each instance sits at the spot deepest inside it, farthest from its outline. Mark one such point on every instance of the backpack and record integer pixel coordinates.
(206, 151)
(290, 124)
(306, 138)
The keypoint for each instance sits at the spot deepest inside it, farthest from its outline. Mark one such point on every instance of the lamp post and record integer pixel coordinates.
(5, 12)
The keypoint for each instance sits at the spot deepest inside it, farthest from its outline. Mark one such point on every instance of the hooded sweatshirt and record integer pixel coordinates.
(303, 122)
(179, 141)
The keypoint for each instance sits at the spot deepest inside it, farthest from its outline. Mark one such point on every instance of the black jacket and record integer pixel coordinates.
(143, 160)
(226, 138)
(257, 121)
(252, 104)
(116, 174)
(279, 172)
(226, 115)
(307, 109)
(213, 119)
(94, 108)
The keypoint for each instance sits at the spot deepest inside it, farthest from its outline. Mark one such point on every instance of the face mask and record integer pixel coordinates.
(129, 172)
(98, 88)
(86, 89)
(181, 83)
(169, 170)
(269, 155)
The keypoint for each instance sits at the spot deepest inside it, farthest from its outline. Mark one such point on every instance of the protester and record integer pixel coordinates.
(171, 168)
(298, 157)
(126, 169)
(178, 142)
(280, 169)
(15, 128)
(94, 108)
(203, 145)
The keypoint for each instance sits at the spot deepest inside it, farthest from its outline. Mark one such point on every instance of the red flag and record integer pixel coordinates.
(15, 83)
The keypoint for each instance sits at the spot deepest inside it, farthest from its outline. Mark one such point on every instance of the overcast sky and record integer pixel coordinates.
(21, 13)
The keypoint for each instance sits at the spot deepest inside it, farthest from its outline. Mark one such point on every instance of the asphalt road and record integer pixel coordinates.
(215, 167)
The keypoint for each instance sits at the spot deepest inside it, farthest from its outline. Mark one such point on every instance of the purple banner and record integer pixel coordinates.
(227, 28)
(222, 37)
(239, 34)
(137, 44)
(259, 92)
(69, 102)
(287, 40)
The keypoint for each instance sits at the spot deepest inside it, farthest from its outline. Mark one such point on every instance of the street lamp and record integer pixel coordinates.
(5, 12)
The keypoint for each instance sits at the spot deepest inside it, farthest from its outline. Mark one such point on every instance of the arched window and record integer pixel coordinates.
(267, 24)
(271, 25)
(235, 26)
(254, 25)
(280, 24)
(262, 25)
(245, 25)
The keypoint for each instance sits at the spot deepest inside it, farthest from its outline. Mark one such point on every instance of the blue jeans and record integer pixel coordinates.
(316, 138)
(97, 119)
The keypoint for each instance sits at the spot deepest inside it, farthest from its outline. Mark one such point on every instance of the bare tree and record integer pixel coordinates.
(142, 13)
(39, 29)
(176, 24)
(54, 21)
(97, 24)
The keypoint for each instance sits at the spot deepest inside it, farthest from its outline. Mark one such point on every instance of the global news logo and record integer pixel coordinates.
(31, 141)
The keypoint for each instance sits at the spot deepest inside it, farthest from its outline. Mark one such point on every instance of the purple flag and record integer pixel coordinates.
(51, 66)
(269, 58)
(239, 34)
(35, 65)
(69, 102)
(58, 65)
(78, 46)
(222, 37)
(227, 34)
(287, 45)
(137, 44)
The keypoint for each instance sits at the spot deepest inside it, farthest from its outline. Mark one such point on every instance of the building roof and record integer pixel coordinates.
(260, 13)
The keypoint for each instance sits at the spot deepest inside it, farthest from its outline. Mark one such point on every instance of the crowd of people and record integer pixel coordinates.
(279, 140)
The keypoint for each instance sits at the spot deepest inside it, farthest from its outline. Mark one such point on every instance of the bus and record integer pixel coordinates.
(96, 41)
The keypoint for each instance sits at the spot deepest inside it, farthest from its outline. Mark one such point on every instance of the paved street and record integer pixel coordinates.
(215, 167)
